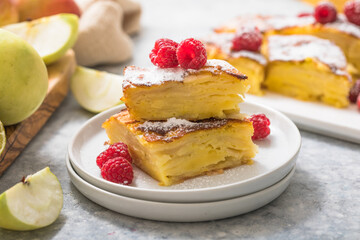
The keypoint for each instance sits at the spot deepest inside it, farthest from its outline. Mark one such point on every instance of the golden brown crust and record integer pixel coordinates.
(172, 129)
(219, 69)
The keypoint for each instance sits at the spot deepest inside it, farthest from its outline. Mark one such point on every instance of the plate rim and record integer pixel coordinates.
(171, 216)
(307, 123)
(285, 167)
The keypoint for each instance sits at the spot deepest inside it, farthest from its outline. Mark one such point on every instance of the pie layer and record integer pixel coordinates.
(252, 64)
(158, 94)
(174, 150)
(342, 32)
(307, 68)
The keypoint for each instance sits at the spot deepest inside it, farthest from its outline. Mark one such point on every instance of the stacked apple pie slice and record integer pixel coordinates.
(183, 123)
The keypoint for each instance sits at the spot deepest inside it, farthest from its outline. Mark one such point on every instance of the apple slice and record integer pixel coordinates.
(2, 138)
(50, 36)
(34, 203)
(96, 91)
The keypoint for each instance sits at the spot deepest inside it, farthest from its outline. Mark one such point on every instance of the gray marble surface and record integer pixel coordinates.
(322, 201)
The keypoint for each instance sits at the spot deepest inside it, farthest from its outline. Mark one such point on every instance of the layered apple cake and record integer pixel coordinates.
(155, 93)
(307, 68)
(343, 33)
(174, 150)
(252, 64)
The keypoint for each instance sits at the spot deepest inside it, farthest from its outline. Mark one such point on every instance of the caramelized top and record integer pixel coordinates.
(302, 47)
(223, 42)
(147, 77)
(168, 131)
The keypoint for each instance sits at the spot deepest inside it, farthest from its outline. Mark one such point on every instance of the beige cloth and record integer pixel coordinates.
(104, 30)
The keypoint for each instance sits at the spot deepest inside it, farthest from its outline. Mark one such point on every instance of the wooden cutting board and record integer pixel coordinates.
(19, 135)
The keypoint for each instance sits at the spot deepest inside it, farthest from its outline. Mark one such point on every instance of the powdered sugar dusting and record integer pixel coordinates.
(152, 76)
(213, 65)
(164, 127)
(281, 22)
(265, 23)
(341, 24)
(345, 26)
(224, 42)
(251, 55)
(301, 47)
(135, 76)
(248, 20)
(174, 128)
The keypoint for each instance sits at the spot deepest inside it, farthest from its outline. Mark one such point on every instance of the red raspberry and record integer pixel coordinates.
(354, 91)
(118, 170)
(358, 102)
(261, 126)
(163, 54)
(115, 150)
(247, 40)
(191, 54)
(325, 12)
(352, 11)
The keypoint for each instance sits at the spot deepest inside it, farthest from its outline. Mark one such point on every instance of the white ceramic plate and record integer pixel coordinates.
(276, 157)
(178, 212)
(316, 117)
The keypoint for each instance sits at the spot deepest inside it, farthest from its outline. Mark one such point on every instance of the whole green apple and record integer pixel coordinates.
(23, 79)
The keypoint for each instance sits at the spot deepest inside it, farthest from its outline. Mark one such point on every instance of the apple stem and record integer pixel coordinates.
(24, 181)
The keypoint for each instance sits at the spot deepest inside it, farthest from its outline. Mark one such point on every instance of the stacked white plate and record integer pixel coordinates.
(236, 191)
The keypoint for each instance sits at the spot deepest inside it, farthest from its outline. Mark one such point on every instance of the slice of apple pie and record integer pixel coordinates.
(252, 64)
(215, 90)
(307, 68)
(174, 150)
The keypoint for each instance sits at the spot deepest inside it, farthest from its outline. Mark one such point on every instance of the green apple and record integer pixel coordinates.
(33, 203)
(23, 79)
(50, 36)
(95, 90)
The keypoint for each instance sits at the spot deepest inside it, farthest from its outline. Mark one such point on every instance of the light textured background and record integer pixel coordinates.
(322, 201)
